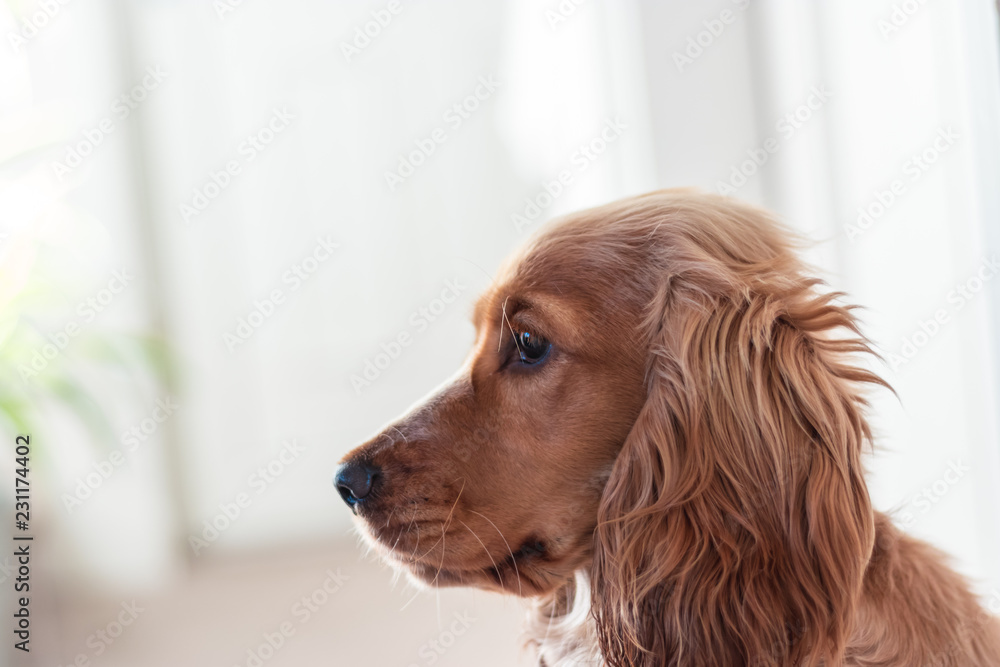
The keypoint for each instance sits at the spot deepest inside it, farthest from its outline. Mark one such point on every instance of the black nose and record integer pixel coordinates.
(355, 480)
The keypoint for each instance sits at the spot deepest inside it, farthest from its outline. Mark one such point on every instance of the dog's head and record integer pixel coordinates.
(495, 480)
(653, 395)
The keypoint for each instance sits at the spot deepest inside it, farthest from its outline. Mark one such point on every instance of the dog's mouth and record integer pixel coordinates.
(441, 553)
(515, 573)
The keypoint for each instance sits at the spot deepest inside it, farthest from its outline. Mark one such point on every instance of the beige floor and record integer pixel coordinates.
(226, 607)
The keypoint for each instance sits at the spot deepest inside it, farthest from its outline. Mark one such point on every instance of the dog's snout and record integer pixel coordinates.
(355, 480)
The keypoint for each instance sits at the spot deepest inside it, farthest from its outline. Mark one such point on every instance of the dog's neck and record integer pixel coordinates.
(561, 628)
(903, 574)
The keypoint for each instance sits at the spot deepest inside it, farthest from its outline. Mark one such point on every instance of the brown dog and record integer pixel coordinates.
(658, 435)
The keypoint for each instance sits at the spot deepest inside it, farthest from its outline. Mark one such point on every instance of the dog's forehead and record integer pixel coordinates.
(577, 255)
(570, 278)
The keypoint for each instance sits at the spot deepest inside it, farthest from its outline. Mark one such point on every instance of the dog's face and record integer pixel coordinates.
(494, 482)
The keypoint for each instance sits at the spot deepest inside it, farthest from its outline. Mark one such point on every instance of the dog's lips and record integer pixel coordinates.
(505, 574)
(416, 546)
(404, 540)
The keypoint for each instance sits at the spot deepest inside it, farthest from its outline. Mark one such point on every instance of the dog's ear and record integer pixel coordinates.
(736, 526)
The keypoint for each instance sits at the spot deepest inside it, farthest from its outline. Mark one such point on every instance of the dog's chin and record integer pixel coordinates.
(512, 577)
(529, 570)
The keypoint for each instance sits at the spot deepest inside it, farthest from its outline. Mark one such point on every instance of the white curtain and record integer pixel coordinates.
(814, 110)
(898, 174)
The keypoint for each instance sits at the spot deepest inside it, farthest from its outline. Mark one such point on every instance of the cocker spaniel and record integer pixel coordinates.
(658, 437)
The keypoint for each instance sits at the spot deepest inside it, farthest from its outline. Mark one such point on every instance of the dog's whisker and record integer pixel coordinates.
(445, 525)
(417, 594)
(513, 335)
(437, 597)
(444, 531)
(484, 271)
(410, 601)
(416, 547)
(506, 544)
(429, 550)
(399, 536)
(503, 318)
(441, 562)
(488, 554)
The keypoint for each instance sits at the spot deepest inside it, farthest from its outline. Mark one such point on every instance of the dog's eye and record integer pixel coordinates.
(532, 347)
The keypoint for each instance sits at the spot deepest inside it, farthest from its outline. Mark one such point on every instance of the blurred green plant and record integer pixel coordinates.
(51, 256)
(52, 368)
(25, 400)
(47, 369)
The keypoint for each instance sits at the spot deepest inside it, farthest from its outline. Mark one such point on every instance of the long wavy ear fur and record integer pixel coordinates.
(736, 526)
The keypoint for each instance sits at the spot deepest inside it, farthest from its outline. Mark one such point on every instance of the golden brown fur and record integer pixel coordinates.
(680, 482)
